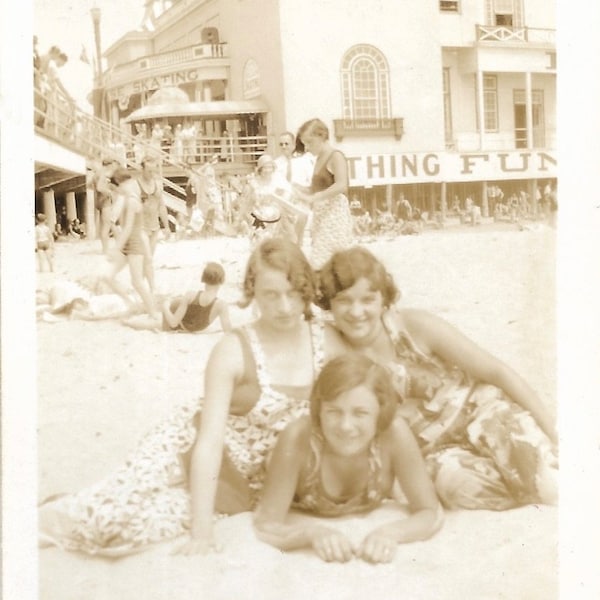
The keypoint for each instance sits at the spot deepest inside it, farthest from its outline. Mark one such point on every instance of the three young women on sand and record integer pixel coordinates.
(211, 454)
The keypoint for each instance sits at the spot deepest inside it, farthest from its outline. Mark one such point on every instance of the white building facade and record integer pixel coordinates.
(433, 99)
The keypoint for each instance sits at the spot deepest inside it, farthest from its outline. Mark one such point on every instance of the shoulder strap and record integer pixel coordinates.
(317, 331)
(257, 355)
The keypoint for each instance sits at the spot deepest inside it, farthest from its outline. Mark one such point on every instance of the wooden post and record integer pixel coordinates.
(50, 209)
(485, 208)
(388, 198)
(71, 206)
(443, 200)
(90, 214)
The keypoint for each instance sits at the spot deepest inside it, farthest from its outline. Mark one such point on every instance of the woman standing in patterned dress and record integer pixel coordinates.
(332, 222)
(258, 379)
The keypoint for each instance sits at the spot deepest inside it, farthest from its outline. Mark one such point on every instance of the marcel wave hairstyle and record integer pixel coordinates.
(349, 371)
(345, 268)
(285, 256)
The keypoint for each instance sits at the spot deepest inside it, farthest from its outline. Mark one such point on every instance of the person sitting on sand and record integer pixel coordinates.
(487, 438)
(194, 311)
(345, 458)
(209, 454)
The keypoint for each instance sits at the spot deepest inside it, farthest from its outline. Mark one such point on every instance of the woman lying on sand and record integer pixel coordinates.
(487, 439)
(344, 459)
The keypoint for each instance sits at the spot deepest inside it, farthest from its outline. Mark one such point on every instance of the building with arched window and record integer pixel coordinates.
(439, 101)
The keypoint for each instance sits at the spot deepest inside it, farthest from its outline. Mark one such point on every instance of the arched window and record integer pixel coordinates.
(365, 88)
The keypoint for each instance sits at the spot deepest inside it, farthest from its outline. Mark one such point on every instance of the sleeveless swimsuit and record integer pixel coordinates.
(312, 496)
(196, 317)
(147, 500)
(150, 207)
(135, 243)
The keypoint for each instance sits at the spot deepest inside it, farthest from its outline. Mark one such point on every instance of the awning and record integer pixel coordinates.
(218, 108)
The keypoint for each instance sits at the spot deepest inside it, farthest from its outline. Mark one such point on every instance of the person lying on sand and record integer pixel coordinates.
(345, 458)
(194, 311)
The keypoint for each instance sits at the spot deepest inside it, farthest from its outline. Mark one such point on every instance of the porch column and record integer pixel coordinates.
(225, 89)
(90, 213)
(533, 183)
(50, 209)
(480, 107)
(206, 92)
(389, 201)
(528, 110)
(114, 113)
(485, 208)
(71, 206)
(443, 200)
(198, 91)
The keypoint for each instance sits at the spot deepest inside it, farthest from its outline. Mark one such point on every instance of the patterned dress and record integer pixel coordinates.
(332, 225)
(146, 500)
(482, 450)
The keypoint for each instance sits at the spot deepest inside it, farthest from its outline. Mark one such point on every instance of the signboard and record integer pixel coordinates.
(431, 167)
(148, 84)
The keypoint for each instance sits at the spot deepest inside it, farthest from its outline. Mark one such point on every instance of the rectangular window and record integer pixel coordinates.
(449, 5)
(505, 13)
(490, 102)
(447, 108)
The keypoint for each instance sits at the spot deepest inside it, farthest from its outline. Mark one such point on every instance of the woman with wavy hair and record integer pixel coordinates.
(209, 455)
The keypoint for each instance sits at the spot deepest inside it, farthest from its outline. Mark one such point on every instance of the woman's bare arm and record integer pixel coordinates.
(436, 336)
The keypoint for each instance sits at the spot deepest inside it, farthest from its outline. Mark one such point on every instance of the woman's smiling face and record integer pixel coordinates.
(349, 421)
(357, 312)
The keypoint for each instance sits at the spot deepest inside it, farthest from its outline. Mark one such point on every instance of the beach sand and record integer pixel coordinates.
(101, 385)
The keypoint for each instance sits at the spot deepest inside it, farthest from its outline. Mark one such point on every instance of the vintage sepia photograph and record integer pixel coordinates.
(296, 298)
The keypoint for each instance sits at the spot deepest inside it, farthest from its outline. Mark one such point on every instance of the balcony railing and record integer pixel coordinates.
(502, 33)
(370, 127)
(56, 117)
(174, 57)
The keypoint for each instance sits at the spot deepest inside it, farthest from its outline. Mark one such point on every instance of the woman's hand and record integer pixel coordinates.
(199, 545)
(377, 547)
(331, 545)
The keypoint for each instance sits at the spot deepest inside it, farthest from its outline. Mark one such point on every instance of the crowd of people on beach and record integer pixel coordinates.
(332, 400)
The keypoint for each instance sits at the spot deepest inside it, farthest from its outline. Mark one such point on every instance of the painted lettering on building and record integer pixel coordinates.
(148, 84)
(380, 169)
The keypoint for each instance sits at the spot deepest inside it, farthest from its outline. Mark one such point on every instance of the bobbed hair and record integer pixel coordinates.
(349, 371)
(120, 175)
(314, 127)
(345, 268)
(213, 274)
(285, 256)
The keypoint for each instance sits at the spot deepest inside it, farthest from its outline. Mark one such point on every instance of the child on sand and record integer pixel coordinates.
(195, 310)
(345, 458)
(44, 242)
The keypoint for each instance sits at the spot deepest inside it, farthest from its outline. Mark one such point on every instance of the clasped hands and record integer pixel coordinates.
(333, 546)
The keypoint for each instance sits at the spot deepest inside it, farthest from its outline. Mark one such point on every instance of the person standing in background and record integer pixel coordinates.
(298, 170)
(154, 211)
(332, 221)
